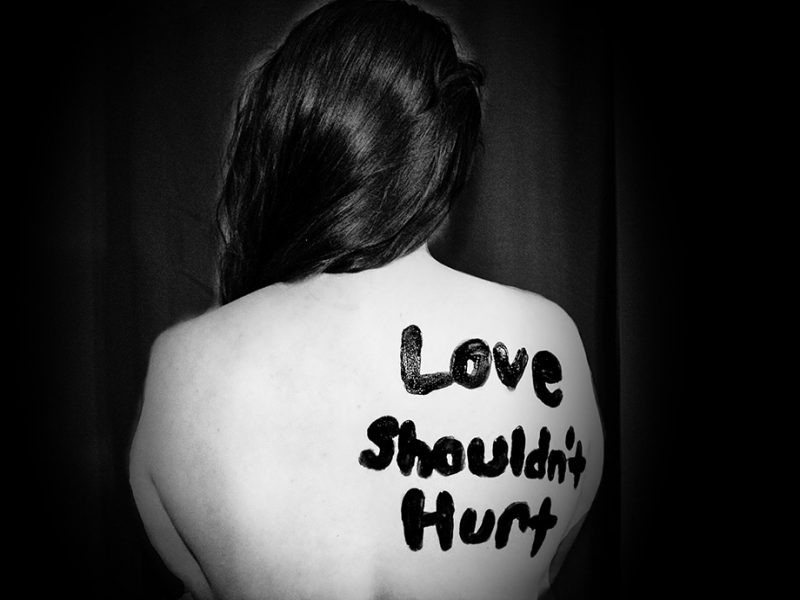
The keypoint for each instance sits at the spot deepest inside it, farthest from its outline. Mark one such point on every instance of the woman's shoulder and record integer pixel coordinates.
(214, 344)
(332, 314)
(494, 306)
(217, 348)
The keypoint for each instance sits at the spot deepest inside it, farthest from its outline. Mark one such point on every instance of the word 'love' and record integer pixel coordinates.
(475, 353)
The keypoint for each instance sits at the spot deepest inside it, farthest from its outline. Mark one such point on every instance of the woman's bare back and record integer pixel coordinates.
(315, 440)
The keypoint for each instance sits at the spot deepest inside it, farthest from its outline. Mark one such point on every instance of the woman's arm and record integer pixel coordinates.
(146, 458)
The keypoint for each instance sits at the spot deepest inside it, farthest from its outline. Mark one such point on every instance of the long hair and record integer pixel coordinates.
(349, 143)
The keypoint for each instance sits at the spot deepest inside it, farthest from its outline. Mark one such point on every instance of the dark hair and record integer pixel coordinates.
(348, 145)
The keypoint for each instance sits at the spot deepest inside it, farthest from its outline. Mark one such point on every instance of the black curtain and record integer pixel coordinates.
(123, 114)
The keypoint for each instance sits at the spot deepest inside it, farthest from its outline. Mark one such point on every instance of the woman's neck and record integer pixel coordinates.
(415, 268)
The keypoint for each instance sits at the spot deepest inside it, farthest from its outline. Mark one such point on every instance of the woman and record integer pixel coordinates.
(358, 420)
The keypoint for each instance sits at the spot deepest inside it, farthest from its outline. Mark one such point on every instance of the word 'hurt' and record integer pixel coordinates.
(415, 520)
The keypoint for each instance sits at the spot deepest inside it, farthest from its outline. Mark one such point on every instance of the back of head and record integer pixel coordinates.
(349, 144)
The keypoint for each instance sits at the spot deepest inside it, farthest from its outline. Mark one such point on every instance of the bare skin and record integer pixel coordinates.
(245, 462)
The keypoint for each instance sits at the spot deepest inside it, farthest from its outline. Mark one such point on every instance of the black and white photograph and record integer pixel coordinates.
(348, 300)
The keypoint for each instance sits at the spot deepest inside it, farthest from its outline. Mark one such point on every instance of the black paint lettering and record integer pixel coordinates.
(476, 457)
(409, 449)
(546, 369)
(515, 511)
(577, 463)
(517, 459)
(415, 519)
(536, 462)
(570, 438)
(466, 529)
(410, 364)
(381, 432)
(557, 460)
(540, 523)
(448, 447)
(476, 351)
(509, 374)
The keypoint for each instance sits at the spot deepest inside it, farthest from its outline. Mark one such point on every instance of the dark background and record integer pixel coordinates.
(582, 194)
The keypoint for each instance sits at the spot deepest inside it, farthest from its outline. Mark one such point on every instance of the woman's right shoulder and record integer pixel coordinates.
(196, 368)
(208, 346)
(179, 441)
(180, 372)
(187, 354)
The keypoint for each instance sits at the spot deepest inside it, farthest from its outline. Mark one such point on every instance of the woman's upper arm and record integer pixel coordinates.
(582, 410)
(580, 402)
(152, 449)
